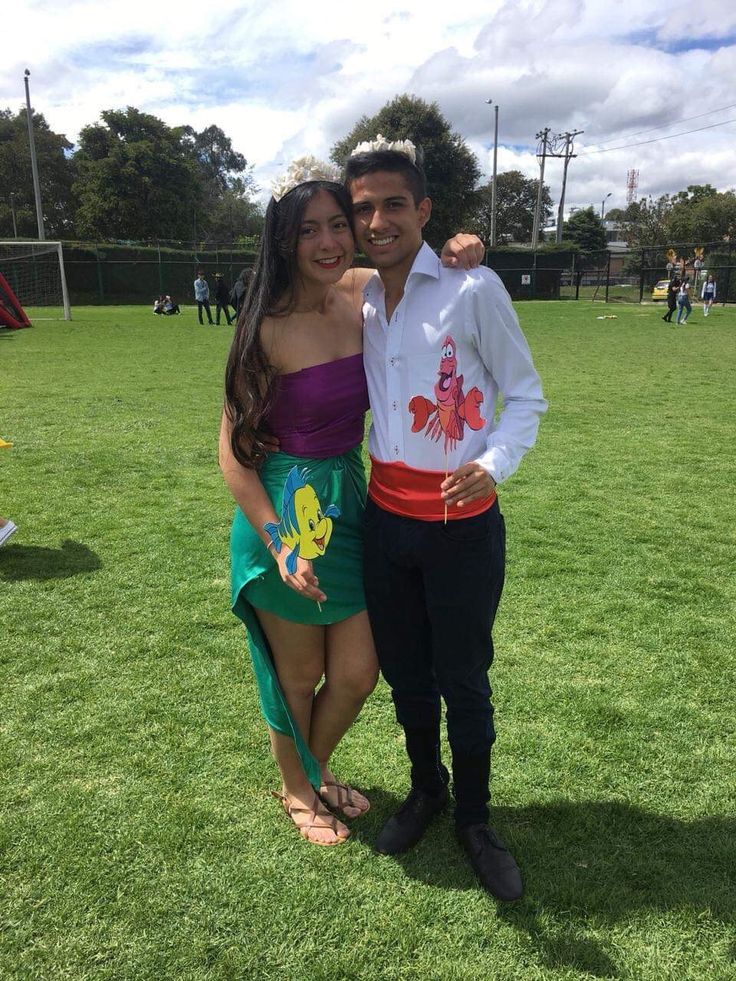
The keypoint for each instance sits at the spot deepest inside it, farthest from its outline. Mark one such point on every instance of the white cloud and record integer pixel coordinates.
(288, 78)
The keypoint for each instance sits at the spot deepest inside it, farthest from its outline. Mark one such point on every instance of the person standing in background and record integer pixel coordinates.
(222, 298)
(708, 294)
(683, 302)
(202, 296)
(672, 291)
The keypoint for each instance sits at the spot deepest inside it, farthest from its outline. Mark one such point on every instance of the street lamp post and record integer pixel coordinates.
(34, 162)
(603, 204)
(495, 173)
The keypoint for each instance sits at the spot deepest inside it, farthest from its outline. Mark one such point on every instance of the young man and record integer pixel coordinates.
(202, 296)
(439, 344)
(222, 297)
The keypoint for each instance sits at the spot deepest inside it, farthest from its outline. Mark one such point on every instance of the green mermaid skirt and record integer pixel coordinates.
(256, 583)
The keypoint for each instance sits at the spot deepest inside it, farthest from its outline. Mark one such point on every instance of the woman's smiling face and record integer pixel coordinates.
(325, 246)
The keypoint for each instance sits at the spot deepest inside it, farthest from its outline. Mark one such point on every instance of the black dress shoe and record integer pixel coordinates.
(408, 824)
(492, 862)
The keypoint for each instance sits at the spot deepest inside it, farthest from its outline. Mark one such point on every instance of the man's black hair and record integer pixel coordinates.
(394, 163)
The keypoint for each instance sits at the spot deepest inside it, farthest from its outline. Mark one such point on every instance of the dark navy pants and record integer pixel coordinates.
(432, 591)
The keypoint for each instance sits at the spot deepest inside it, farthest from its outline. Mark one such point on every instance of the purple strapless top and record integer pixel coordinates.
(319, 411)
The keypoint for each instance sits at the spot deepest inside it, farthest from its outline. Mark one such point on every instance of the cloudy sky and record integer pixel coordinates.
(286, 78)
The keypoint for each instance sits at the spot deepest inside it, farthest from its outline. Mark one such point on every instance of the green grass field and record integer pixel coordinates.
(138, 839)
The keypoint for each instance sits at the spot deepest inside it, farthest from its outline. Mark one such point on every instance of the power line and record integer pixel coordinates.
(658, 139)
(676, 122)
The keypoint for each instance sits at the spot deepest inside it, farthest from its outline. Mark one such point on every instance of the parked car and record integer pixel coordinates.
(659, 290)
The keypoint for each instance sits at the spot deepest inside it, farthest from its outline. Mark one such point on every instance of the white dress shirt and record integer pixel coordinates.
(402, 359)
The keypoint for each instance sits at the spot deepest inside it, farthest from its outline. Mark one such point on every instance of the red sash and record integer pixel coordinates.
(401, 489)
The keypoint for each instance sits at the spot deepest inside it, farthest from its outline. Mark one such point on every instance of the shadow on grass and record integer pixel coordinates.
(601, 860)
(19, 562)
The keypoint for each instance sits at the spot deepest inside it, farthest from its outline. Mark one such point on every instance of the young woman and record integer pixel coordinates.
(295, 372)
(683, 302)
(708, 294)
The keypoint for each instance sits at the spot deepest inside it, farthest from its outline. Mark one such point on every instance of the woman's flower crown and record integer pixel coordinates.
(300, 171)
(381, 143)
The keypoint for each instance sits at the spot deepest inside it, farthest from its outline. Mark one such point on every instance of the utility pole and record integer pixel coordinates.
(495, 174)
(568, 155)
(34, 162)
(543, 136)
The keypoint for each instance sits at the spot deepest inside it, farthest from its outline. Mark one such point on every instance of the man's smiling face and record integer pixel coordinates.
(388, 224)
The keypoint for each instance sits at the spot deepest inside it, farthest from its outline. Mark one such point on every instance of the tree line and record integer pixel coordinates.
(132, 177)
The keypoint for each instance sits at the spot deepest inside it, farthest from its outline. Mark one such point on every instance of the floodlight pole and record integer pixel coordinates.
(34, 162)
(12, 212)
(495, 173)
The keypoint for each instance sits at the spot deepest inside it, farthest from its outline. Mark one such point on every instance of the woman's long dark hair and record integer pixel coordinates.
(249, 377)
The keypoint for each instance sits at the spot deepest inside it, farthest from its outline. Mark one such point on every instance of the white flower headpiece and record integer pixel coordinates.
(381, 143)
(302, 170)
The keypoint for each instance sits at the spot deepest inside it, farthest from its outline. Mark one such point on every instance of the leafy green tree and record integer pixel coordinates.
(234, 215)
(646, 222)
(451, 167)
(137, 179)
(516, 199)
(702, 214)
(585, 229)
(56, 175)
(223, 173)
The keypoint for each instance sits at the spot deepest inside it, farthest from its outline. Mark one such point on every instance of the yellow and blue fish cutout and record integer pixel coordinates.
(304, 527)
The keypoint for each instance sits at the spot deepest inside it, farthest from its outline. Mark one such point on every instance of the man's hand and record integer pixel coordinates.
(271, 443)
(303, 581)
(463, 251)
(470, 482)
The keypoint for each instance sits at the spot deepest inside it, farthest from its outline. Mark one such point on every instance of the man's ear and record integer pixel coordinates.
(424, 209)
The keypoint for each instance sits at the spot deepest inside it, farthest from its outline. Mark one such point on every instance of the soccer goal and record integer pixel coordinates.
(35, 272)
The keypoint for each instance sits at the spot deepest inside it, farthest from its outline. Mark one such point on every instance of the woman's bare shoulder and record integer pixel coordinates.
(353, 283)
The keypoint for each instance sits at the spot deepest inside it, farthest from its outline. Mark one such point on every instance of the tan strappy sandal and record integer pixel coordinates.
(344, 799)
(313, 812)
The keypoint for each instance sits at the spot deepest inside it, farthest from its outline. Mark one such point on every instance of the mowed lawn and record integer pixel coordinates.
(138, 839)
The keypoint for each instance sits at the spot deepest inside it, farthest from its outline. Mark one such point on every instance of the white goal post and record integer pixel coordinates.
(35, 272)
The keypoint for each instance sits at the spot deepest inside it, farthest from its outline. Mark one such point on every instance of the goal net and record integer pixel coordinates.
(35, 272)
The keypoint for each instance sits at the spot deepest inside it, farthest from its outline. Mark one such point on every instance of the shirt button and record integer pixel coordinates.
(396, 450)
(396, 405)
(392, 362)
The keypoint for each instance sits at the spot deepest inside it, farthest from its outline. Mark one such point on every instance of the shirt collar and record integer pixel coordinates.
(426, 263)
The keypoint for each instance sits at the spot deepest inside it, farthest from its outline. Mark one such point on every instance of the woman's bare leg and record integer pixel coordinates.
(299, 657)
(351, 672)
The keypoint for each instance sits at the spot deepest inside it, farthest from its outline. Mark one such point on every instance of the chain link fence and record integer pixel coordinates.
(136, 273)
(115, 274)
(612, 276)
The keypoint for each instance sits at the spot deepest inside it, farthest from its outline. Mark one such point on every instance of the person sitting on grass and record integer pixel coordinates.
(295, 371)
(169, 307)
(158, 305)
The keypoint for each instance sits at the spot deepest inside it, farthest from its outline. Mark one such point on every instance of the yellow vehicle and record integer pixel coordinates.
(659, 290)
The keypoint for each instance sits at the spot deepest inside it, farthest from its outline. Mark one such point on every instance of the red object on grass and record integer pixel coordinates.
(12, 313)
